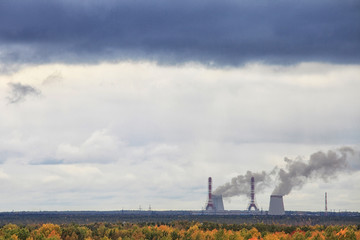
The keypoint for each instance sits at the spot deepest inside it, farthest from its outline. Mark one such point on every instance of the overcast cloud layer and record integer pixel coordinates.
(107, 105)
(113, 136)
(211, 32)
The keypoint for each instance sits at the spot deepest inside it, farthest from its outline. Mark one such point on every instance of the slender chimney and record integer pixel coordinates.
(252, 195)
(326, 204)
(210, 205)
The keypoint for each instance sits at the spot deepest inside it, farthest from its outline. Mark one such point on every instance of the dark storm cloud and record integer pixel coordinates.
(211, 32)
(18, 92)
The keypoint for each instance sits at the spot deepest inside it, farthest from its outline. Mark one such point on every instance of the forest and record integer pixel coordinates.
(87, 217)
(177, 230)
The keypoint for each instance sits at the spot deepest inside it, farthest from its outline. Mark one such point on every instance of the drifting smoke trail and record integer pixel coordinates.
(296, 173)
(320, 166)
(240, 185)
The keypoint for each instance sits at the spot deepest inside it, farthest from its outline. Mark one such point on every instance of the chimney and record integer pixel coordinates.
(326, 210)
(252, 195)
(210, 205)
(276, 205)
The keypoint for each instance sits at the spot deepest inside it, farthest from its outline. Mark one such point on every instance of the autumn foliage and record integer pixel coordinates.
(177, 230)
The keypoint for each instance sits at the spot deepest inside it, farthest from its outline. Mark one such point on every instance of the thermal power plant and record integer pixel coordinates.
(252, 196)
(210, 205)
(276, 205)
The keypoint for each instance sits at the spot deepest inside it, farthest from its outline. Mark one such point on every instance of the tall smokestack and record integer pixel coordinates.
(276, 205)
(210, 204)
(326, 204)
(252, 196)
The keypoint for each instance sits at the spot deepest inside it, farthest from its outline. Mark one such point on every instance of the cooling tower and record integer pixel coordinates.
(218, 202)
(276, 205)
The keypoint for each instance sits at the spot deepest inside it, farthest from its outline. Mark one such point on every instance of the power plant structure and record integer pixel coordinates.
(210, 204)
(218, 202)
(252, 196)
(276, 205)
(215, 202)
(326, 204)
(215, 205)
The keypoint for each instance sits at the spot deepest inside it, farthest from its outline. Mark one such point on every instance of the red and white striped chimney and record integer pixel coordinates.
(210, 204)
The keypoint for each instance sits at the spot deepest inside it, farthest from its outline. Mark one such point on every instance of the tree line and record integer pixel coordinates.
(177, 230)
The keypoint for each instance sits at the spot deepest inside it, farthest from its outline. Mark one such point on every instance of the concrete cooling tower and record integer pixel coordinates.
(276, 205)
(218, 202)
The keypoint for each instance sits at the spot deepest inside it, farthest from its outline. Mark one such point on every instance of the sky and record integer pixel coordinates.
(129, 104)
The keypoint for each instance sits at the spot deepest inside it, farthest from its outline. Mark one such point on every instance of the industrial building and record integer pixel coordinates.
(276, 205)
(218, 202)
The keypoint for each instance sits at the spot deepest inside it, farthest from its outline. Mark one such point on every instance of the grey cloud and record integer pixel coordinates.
(53, 78)
(211, 32)
(18, 92)
(48, 161)
(100, 147)
(354, 161)
(5, 154)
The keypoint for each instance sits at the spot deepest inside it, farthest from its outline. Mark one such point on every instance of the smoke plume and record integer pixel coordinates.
(240, 185)
(296, 173)
(320, 166)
